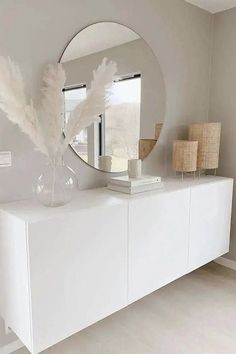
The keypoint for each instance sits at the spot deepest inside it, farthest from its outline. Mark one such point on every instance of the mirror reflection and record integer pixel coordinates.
(126, 130)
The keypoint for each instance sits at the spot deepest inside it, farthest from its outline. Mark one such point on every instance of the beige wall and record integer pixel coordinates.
(35, 32)
(223, 98)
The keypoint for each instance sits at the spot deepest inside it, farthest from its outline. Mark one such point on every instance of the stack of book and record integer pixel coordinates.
(141, 184)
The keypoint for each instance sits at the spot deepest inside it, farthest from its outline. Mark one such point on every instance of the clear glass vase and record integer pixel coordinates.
(56, 185)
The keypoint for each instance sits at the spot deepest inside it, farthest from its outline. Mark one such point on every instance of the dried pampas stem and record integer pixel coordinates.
(52, 108)
(47, 133)
(13, 102)
(89, 110)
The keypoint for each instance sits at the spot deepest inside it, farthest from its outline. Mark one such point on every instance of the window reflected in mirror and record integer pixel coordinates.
(117, 134)
(122, 122)
(73, 96)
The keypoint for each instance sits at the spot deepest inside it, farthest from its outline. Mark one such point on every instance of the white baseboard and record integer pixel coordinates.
(12, 347)
(226, 262)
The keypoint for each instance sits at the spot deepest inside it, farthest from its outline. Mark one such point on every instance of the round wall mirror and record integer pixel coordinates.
(131, 126)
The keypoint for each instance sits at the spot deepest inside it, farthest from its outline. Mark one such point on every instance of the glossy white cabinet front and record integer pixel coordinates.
(77, 272)
(64, 269)
(74, 269)
(210, 217)
(158, 241)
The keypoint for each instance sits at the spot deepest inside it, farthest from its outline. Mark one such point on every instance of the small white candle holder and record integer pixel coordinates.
(105, 163)
(134, 168)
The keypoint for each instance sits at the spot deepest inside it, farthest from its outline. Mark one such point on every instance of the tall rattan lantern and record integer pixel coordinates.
(184, 156)
(208, 137)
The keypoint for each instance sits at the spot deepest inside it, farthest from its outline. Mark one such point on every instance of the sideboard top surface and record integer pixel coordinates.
(31, 211)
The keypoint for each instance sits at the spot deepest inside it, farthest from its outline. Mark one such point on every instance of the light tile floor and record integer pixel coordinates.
(194, 315)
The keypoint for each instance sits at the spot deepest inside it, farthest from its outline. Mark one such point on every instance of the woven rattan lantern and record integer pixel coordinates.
(185, 156)
(208, 137)
(158, 129)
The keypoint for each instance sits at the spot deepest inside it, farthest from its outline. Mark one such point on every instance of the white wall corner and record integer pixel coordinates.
(226, 262)
(11, 347)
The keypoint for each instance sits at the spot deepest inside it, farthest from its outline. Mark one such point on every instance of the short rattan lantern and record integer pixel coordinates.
(158, 129)
(208, 137)
(185, 156)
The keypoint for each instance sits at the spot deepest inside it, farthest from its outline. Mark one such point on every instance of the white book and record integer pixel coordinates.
(125, 181)
(135, 189)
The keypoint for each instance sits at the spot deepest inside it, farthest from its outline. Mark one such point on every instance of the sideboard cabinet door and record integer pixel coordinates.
(78, 271)
(158, 241)
(62, 272)
(210, 215)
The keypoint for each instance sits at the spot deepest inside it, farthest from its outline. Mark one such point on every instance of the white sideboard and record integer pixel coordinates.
(64, 269)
